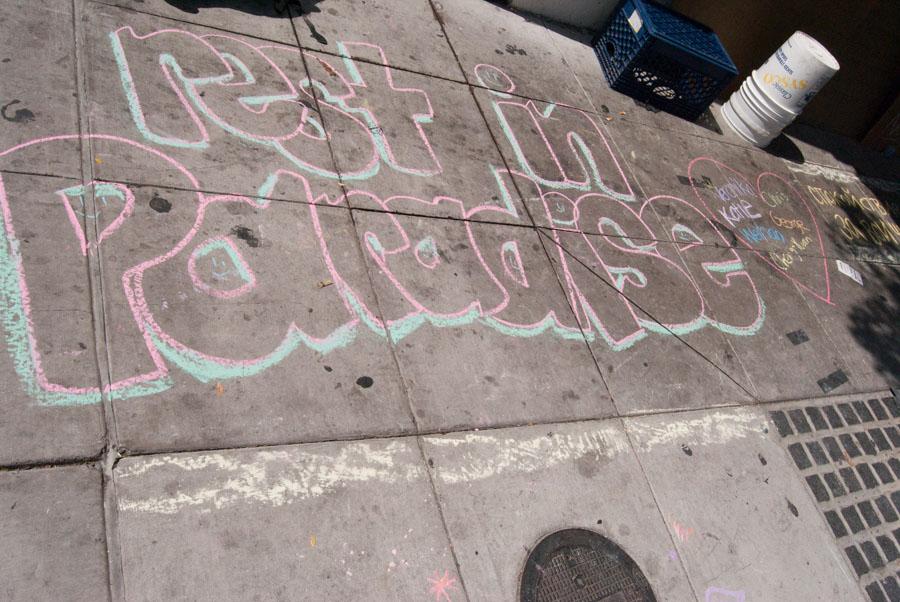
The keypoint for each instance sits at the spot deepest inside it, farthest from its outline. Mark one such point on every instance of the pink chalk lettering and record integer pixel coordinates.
(254, 263)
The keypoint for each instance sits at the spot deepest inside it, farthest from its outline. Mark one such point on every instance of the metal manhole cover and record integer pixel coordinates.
(577, 565)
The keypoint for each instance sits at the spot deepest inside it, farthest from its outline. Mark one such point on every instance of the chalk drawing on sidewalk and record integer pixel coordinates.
(441, 586)
(606, 242)
(719, 594)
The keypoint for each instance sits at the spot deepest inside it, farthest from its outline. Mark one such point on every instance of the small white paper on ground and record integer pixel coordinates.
(849, 270)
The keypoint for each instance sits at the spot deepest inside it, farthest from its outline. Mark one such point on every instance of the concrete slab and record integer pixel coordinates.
(50, 377)
(474, 311)
(811, 210)
(780, 275)
(40, 96)
(774, 207)
(743, 524)
(784, 349)
(405, 32)
(653, 347)
(877, 220)
(335, 521)
(862, 322)
(557, 155)
(231, 323)
(508, 52)
(427, 137)
(574, 45)
(502, 491)
(858, 216)
(52, 524)
(256, 18)
(755, 289)
(221, 113)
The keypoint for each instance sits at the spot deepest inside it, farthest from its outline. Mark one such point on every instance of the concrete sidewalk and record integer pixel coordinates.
(365, 302)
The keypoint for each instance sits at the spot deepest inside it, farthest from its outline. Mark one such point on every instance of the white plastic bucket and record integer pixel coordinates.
(758, 103)
(773, 96)
(752, 119)
(796, 72)
(760, 139)
(758, 98)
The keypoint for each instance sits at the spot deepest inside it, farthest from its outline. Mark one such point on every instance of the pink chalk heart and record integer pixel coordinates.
(768, 217)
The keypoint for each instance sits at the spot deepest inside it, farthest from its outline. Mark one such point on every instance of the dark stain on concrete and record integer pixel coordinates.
(588, 465)
(797, 337)
(247, 235)
(314, 32)
(20, 116)
(160, 204)
(792, 507)
(513, 49)
(238, 208)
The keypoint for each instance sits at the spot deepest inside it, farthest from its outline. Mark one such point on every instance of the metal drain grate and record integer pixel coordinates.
(577, 565)
(849, 455)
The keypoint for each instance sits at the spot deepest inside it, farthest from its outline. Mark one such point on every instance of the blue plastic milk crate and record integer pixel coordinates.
(665, 59)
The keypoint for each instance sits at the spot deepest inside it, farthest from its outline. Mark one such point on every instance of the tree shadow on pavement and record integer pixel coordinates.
(261, 8)
(875, 321)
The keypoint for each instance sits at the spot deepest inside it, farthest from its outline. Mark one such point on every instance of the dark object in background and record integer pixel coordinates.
(665, 59)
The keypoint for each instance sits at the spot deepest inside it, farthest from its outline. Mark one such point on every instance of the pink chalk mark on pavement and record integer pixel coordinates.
(203, 135)
(512, 263)
(135, 302)
(502, 85)
(425, 116)
(494, 78)
(127, 209)
(822, 294)
(682, 532)
(239, 263)
(718, 594)
(441, 586)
